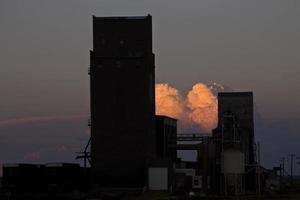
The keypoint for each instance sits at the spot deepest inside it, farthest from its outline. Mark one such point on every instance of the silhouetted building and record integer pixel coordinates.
(22, 177)
(235, 114)
(62, 176)
(235, 132)
(206, 163)
(35, 178)
(166, 134)
(122, 100)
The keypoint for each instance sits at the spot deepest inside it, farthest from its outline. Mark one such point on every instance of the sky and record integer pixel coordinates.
(44, 59)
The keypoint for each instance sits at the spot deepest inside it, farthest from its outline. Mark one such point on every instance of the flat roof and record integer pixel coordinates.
(19, 164)
(164, 116)
(121, 17)
(235, 94)
(57, 164)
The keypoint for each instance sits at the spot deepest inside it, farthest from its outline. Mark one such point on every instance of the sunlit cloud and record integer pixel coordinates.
(195, 112)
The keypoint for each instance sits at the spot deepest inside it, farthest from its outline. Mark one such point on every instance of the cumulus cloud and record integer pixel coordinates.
(202, 104)
(168, 101)
(197, 112)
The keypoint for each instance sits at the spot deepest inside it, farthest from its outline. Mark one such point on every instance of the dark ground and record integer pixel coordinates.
(290, 193)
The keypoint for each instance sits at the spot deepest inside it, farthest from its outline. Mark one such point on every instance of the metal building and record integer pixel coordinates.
(122, 100)
(234, 133)
(22, 177)
(62, 176)
(238, 105)
(166, 134)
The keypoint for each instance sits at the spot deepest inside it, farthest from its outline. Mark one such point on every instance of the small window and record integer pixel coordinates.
(196, 181)
(118, 64)
(137, 64)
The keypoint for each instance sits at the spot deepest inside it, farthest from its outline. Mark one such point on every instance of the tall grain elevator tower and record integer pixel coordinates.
(122, 87)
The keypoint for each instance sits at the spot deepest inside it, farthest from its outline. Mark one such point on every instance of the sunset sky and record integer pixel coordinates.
(242, 45)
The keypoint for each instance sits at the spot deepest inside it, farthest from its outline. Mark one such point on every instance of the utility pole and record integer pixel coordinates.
(280, 179)
(292, 165)
(259, 168)
(86, 156)
(282, 165)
